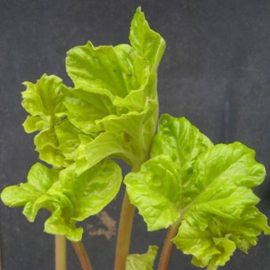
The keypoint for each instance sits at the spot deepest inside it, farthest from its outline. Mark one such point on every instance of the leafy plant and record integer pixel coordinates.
(203, 192)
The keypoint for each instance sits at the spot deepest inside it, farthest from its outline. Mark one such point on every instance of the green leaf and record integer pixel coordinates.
(214, 245)
(127, 136)
(114, 99)
(142, 261)
(47, 145)
(176, 146)
(84, 108)
(149, 45)
(68, 197)
(181, 141)
(91, 191)
(155, 191)
(114, 70)
(145, 41)
(40, 180)
(44, 102)
(204, 186)
(68, 137)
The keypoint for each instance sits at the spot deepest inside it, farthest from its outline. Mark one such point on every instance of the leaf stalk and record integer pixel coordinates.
(124, 230)
(82, 255)
(167, 246)
(60, 252)
(124, 233)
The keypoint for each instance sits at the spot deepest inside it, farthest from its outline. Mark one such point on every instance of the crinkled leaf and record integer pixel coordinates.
(155, 191)
(82, 164)
(40, 180)
(181, 141)
(119, 70)
(84, 108)
(91, 191)
(146, 41)
(114, 98)
(58, 225)
(47, 145)
(44, 101)
(33, 123)
(127, 137)
(68, 137)
(176, 146)
(221, 182)
(88, 194)
(214, 245)
(148, 44)
(142, 261)
(189, 178)
(69, 198)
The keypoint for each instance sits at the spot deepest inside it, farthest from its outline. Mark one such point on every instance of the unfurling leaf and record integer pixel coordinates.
(44, 102)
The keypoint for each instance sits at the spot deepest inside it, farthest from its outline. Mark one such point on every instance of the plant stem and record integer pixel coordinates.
(167, 246)
(60, 252)
(124, 234)
(124, 231)
(82, 255)
(212, 267)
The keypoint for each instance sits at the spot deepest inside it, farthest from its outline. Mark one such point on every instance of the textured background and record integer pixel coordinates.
(216, 64)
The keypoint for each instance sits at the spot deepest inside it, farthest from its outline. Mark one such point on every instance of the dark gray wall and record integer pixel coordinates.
(218, 53)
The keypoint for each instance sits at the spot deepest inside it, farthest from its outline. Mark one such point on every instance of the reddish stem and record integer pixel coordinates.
(60, 252)
(167, 247)
(82, 255)
(124, 234)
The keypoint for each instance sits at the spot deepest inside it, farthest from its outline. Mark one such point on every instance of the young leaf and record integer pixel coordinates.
(147, 43)
(40, 180)
(142, 261)
(44, 99)
(114, 98)
(214, 245)
(68, 137)
(69, 198)
(115, 70)
(205, 186)
(44, 102)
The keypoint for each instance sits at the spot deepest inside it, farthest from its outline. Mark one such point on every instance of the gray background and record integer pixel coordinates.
(217, 54)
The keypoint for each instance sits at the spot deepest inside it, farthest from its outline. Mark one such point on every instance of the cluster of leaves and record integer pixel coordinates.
(205, 189)
(112, 112)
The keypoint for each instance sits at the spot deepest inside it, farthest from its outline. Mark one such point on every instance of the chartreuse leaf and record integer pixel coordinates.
(142, 261)
(216, 244)
(44, 102)
(68, 197)
(206, 187)
(148, 44)
(92, 190)
(155, 191)
(68, 137)
(114, 99)
(107, 70)
(144, 40)
(40, 180)
(176, 146)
